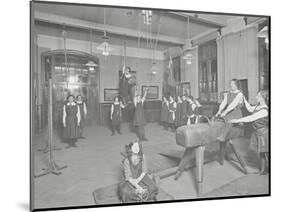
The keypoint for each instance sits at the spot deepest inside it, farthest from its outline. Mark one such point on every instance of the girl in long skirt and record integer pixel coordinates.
(71, 121)
(139, 119)
(116, 115)
(185, 108)
(179, 112)
(259, 117)
(83, 112)
(172, 113)
(139, 185)
(164, 113)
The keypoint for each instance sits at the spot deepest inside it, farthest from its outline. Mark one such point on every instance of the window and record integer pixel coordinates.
(263, 65)
(208, 77)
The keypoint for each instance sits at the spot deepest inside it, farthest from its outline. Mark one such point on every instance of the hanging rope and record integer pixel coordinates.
(150, 35)
(91, 44)
(147, 36)
(157, 37)
(188, 31)
(65, 55)
(125, 52)
(104, 21)
(139, 39)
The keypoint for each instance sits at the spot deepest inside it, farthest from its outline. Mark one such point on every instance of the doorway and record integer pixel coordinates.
(73, 72)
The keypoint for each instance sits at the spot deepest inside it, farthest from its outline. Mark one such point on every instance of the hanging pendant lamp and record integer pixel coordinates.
(91, 64)
(105, 47)
(188, 56)
(154, 67)
(65, 55)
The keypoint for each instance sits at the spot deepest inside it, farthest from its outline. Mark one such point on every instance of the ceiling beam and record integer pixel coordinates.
(78, 23)
(201, 19)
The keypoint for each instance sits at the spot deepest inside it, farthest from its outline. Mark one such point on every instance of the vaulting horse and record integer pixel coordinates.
(197, 136)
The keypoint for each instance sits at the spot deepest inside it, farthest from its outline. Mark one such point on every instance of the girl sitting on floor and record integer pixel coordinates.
(139, 186)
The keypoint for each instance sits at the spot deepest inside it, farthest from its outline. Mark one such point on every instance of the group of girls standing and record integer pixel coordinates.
(175, 113)
(74, 117)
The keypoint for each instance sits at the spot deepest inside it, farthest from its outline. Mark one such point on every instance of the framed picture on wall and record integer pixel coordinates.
(110, 93)
(152, 92)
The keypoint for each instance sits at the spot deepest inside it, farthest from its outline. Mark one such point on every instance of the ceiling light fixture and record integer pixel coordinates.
(104, 47)
(91, 64)
(188, 56)
(154, 68)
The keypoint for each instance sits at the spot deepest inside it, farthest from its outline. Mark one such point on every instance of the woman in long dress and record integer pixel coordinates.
(83, 113)
(178, 114)
(230, 108)
(185, 108)
(139, 119)
(139, 185)
(164, 112)
(259, 119)
(172, 113)
(116, 115)
(71, 121)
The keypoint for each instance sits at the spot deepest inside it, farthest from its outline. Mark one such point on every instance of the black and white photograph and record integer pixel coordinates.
(134, 105)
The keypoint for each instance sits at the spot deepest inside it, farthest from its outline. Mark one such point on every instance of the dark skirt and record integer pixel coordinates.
(71, 130)
(164, 114)
(82, 123)
(259, 140)
(234, 114)
(170, 118)
(178, 121)
(116, 119)
(126, 191)
(139, 119)
(232, 130)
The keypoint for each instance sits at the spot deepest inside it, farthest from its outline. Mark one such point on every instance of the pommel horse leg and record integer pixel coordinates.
(238, 156)
(222, 152)
(183, 162)
(199, 168)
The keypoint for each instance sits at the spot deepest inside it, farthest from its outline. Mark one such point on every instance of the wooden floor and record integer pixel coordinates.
(96, 163)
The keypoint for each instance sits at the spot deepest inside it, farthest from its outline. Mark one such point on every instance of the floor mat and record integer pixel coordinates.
(252, 184)
(108, 195)
(215, 176)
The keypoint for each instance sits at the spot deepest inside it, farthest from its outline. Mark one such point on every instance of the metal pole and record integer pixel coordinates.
(50, 119)
(52, 167)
